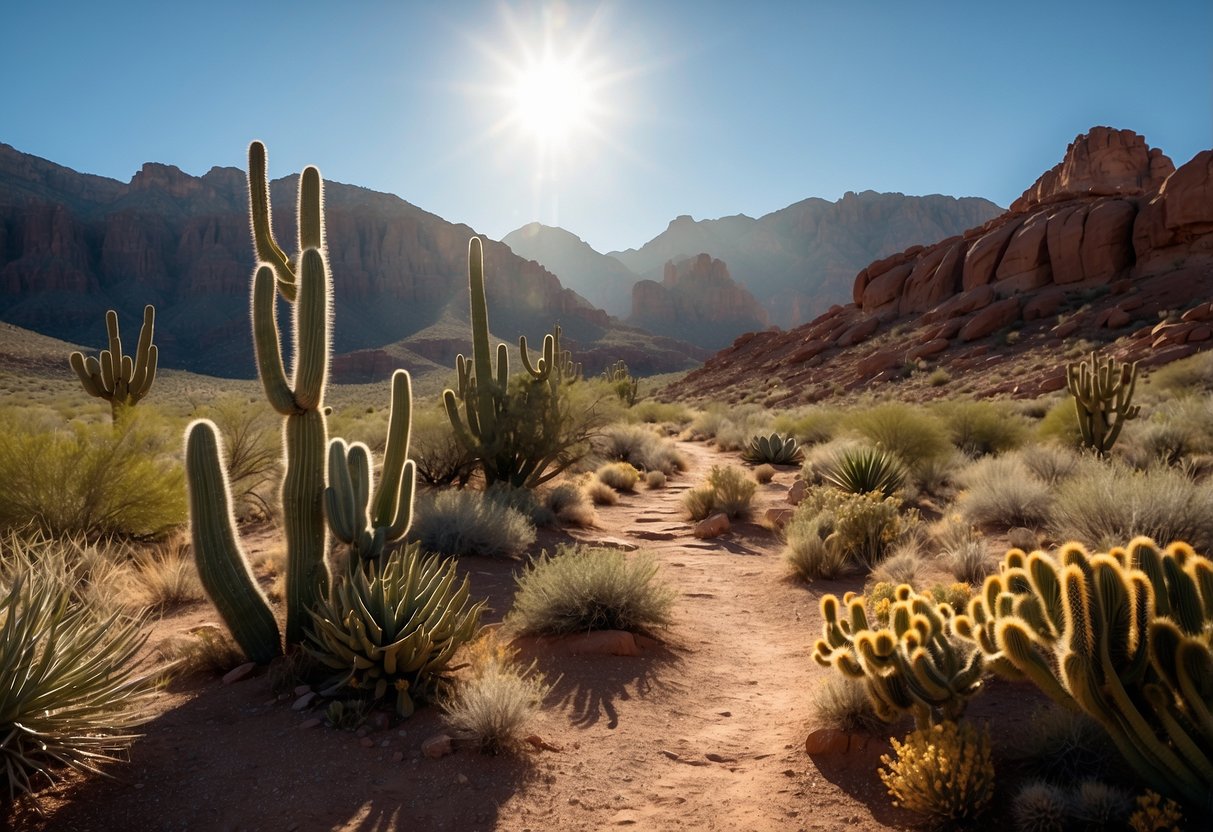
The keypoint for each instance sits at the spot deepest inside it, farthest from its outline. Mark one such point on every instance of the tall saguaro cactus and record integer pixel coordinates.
(1102, 394)
(305, 283)
(512, 446)
(117, 378)
(364, 521)
(1126, 637)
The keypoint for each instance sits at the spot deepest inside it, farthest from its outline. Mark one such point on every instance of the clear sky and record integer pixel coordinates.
(645, 109)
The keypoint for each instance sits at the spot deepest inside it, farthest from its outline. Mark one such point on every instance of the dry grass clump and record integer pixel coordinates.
(1111, 503)
(206, 649)
(979, 428)
(497, 699)
(166, 577)
(468, 523)
(727, 490)
(1001, 491)
(582, 588)
(813, 550)
(620, 476)
(764, 473)
(654, 479)
(653, 412)
(842, 702)
(909, 432)
(1050, 462)
(811, 426)
(601, 494)
(902, 566)
(730, 426)
(569, 505)
(640, 447)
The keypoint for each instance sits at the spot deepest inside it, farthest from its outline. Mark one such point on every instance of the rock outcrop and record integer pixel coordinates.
(698, 301)
(600, 279)
(73, 245)
(1106, 243)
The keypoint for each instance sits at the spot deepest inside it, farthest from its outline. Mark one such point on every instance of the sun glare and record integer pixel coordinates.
(551, 100)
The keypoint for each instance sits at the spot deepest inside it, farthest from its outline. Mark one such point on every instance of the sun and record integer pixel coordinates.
(552, 99)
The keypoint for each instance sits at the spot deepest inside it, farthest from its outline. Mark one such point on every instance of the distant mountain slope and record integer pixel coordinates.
(602, 280)
(697, 300)
(799, 260)
(73, 245)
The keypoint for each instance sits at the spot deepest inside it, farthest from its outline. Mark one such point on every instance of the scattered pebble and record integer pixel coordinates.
(367, 742)
(310, 723)
(303, 701)
(239, 674)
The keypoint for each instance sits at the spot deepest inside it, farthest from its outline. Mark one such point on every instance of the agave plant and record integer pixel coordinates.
(773, 449)
(865, 469)
(69, 694)
(393, 627)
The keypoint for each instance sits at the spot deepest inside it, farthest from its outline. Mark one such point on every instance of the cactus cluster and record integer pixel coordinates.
(391, 627)
(512, 427)
(120, 379)
(913, 665)
(1126, 637)
(774, 450)
(619, 377)
(1102, 392)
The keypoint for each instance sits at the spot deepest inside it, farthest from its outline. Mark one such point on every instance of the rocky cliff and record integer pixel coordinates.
(1113, 243)
(73, 245)
(697, 300)
(801, 259)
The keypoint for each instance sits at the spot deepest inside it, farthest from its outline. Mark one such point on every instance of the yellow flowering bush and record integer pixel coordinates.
(943, 771)
(1155, 814)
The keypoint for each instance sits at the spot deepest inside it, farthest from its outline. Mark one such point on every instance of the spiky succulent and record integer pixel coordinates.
(865, 469)
(393, 627)
(774, 449)
(69, 694)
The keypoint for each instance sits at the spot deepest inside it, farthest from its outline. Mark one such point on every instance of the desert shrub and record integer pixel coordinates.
(468, 523)
(969, 562)
(618, 475)
(731, 490)
(909, 432)
(1060, 424)
(812, 548)
(253, 447)
(902, 566)
(654, 479)
(955, 595)
(1153, 814)
(639, 447)
(730, 426)
(811, 426)
(842, 702)
(1185, 377)
(652, 411)
(601, 494)
(69, 692)
(1050, 462)
(392, 627)
(938, 377)
(206, 649)
(864, 527)
(582, 588)
(441, 458)
(569, 505)
(764, 473)
(862, 469)
(1000, 491)
(166, 577)
(944, 771)
(1111, 502)
(978, 428)
(1041, 807)
(936, 474)
(497, 699)
(90, 479)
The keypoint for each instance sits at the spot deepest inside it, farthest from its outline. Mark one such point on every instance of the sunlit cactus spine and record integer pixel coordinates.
(305, 282)
(1126, 637)
(367, 522)
(914, 665)
(1102, 393)
(120, 379)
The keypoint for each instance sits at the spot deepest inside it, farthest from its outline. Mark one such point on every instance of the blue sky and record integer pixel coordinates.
(701, 108)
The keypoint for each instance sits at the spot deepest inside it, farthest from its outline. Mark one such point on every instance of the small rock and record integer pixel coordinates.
(367, 742)
(713, 526)
(720, 758)
(832, 741)
(437, 746)
(239, 674)
(303, 701)
(309, 723)
(385, 743)
(300, 690)
(778, 517)
(725, 713)
(673, 755)
(461, 779)
(797, 491)
(398, 757)
(625, 817)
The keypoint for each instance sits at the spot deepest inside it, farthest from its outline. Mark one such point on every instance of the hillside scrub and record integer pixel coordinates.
(911, 433)
(468, 523)
(1001, 491)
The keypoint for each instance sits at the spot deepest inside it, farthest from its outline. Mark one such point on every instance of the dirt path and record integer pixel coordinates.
(704, 731)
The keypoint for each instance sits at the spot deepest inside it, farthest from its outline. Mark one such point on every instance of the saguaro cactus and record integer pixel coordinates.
(348, 497)
(1126, 637)
(912, 666)
(620, 378)
(1102, 394)
(117, 378)
(305, 282)
(513, 435)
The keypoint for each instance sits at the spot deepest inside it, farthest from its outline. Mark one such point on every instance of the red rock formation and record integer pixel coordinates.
(697, 300)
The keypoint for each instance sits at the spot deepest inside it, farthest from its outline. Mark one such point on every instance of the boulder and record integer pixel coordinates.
(983, 257)
(1107, 239)
(1025, 265)
(713, 526)
(886, 288)
(859, 332)
(931, 281)
(933, 347)
(962, 304)
(1064, 238)
(1043, 304)
(991, 319)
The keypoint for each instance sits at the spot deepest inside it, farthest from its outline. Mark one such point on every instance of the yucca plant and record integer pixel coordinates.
(69, 693)
(773, 449)
(393, 627)
(864, 469)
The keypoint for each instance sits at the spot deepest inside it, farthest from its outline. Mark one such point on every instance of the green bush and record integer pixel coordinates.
(1001, 491)
(811, 426)
(866, 526)
(618, 475)
(764, 473)
(813, 549)
(1049, 462)
(586, 588)
(728, 490)
(467, 523)
(90, 479)
(640, 447)
(1060, 424)
(69, 693)
(978, 428)
(1110, 502)
(862, 469)
(654, 479)
(652, 411)
(909, 432)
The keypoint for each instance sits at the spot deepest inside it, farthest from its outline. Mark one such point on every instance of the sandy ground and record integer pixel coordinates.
(704, 731)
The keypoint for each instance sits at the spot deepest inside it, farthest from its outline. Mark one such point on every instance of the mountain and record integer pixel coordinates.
(800, 259)
(697, 300)
(602, 280)
(1113, 245)
(73, 245)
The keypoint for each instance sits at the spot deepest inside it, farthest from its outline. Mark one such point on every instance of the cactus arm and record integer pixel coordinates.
(146, 356)
(89, 380)
(267, 345)
(387, 502)
(339, 497)
(312, 337)
(221, 563)
(310, 208)
(266, 247)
